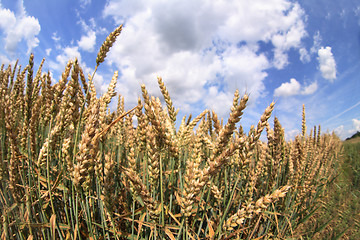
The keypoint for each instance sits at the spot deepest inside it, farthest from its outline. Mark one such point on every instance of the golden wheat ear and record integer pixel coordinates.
(107, 44)
(303, 125)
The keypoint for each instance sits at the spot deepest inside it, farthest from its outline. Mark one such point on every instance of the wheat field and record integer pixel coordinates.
(72, 169)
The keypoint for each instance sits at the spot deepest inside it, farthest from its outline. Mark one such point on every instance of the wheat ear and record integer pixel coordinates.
(107, 44)
(303, 126)
(169, 104)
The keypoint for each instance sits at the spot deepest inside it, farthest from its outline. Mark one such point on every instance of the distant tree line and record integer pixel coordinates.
(357, 134)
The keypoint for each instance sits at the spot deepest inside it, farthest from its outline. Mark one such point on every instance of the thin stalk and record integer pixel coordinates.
(76, 213)
(48, 183)
(28, 210)
(88, 216)
(133, 218)
(68, 217)
(206, 202)
(101, 205)
(170, 204)
(162, 194)
(218, 230)
(180, 229)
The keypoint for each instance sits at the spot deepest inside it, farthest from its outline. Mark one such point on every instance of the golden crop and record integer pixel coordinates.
(71, 169)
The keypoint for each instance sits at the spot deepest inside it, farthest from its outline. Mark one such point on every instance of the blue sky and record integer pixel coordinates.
(292, 52)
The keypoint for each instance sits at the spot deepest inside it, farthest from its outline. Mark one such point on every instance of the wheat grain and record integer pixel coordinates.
(142, 192)
(228, 130)
(107, 44)
(303, 124)
(254, 208)
(153, 158)
(169, 104)
(109, 184)
(88, 148)
(111, 89)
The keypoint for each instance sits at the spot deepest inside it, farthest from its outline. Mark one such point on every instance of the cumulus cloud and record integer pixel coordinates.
(87, 42)
(17, 28)
(68, 53)
(91, 30)
(72, 53)
(48, 51)
(356, 124)
(291, 134)
(280, 59)
(243, 69)
(8, 19)
(85, 3)
(317, 42)
(291, 38)
(4, 60)
(307, 90)
(195, 45)
(327, 63)
(219, 99)
(55, 37)
(288, 89)
(304, 55)
(339, 131)
(294, 88)
(344, 132)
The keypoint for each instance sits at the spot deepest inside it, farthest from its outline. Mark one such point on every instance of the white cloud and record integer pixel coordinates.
(288, 89)
(194, 45)
(327, 63)
(344, 132)
(280, 59)
(4, 60)
(310, 89)
(17, 28)
(356, 124)
(290, 37)
(243, 69)
(220, 102)
(357, 10)
(340, 131)
(290, 135)
(293, 88)
(121, 10)
(100, 85)
(304, 55)
(85, 3)
(87, 27)
(7, 18)
(317, 42)
(91, 30)
(87, 43)
(48, 51)
(55, 37)
(68, 53)
(72, 53)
